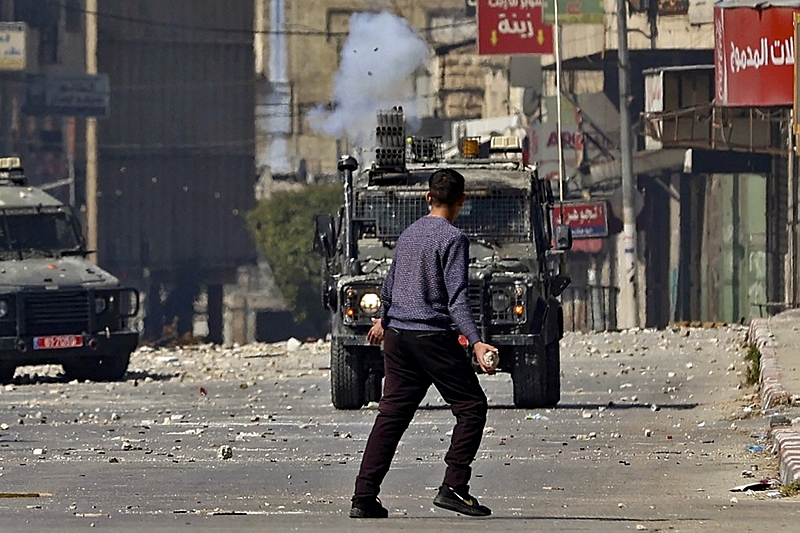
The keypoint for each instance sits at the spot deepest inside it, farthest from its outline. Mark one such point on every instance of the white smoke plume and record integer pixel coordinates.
(380, 55)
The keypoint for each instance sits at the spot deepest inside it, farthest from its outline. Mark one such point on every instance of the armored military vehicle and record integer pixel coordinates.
(515, 274)
(56, 307)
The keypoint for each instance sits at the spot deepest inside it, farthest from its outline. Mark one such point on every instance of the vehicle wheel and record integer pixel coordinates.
(347, 377)
(373, 387)
(101, 368)
(552, 355)
(7, 372)
(529, 376)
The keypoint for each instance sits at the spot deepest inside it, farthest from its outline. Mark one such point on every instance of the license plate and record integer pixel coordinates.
(52, 342)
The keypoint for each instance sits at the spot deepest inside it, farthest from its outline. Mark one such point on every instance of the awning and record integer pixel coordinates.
(640, 59)
(687, 161)
(645, 162)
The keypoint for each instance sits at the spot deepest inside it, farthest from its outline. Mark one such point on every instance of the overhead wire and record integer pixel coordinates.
(237, 31)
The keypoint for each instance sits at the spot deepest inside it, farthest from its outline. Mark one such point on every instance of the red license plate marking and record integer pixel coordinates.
(52, 342)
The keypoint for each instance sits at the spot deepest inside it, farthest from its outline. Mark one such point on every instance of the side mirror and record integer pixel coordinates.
(558, 284)
(563, 237)
(324, 235)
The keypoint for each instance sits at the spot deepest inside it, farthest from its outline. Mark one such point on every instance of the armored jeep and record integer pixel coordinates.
(56, 307)
(515, 271)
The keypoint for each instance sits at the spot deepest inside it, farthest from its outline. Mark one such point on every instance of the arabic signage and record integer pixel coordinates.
(588, 220)
(673, 7)
(575, 12)
(576, 149)
(71, 96)
(513, 27)
(12, 46)
(754, 56)
(796, 87)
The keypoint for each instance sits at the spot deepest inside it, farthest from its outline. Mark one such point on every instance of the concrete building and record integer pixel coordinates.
(141, 114)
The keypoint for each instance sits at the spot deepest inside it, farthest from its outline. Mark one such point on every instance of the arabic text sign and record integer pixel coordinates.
(575, 12)
(513, 27)
(587, 219)
(12, 46)
(796, 88)
(754, 56)
(76, 96)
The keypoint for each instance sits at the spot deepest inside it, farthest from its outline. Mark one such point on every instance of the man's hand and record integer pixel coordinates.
(481, 348)
(375, 333)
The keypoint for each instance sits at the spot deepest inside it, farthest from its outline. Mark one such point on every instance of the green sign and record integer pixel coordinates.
(575, 12)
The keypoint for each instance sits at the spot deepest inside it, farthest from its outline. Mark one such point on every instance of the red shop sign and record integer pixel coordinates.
(754, 56)
(588, 220)
(513, 27)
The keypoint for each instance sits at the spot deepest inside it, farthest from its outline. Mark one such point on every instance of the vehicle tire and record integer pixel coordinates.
(347, 377)
(101, 368)
(373, 386)
(529, 377)
(552, 355)
(7, 372)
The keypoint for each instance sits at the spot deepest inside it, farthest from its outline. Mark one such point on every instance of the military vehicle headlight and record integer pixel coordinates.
(100, 304)
(3, 308)
(500, 300)
(370, 303)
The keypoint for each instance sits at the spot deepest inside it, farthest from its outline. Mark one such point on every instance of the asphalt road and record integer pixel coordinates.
(653, 430)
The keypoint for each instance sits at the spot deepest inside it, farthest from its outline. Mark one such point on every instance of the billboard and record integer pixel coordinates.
(575, 12)
(513, 28)
(795, 84)
(754, 56)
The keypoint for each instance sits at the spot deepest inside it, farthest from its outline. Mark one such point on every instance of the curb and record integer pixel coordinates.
(772, 392)
(785, 441)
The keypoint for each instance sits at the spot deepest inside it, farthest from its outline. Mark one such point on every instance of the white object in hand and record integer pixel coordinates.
(491, 358)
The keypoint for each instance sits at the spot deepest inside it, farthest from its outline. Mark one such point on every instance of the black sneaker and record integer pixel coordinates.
(460, 502)
(368, 508)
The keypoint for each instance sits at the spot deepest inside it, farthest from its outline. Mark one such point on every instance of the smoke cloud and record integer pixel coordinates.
(378, 58)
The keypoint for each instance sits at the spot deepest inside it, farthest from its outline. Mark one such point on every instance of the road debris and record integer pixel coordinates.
(764, 484)
(225, 452)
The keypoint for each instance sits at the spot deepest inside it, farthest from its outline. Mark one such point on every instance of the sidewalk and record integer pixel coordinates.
(778, 340)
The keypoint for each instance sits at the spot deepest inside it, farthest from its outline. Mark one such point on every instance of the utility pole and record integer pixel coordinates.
(6, 90)
(628, 300)
(91, 133)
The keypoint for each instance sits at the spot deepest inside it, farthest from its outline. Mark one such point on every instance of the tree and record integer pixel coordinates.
(283, 228)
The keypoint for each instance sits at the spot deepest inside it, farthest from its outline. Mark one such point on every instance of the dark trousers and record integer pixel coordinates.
(413, 360)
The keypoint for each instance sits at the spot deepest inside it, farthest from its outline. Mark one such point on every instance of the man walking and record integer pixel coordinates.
(424, 294)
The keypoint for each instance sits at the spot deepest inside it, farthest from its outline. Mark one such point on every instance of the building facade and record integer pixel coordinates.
(210, 107)
(162, 167)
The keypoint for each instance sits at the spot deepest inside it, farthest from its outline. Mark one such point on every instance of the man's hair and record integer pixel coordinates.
(446, 186)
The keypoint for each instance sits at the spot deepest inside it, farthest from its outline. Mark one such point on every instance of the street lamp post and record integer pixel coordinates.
(628, 298)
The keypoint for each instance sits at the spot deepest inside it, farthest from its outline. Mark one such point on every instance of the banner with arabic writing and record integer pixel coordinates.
(588, 220)
(575, 12)
(513, 27)
(754, 56)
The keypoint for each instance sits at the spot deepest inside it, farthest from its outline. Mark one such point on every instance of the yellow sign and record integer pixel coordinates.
(12, 46)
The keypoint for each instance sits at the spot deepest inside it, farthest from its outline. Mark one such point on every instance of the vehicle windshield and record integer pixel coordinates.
(28, 233)
(498, 215)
